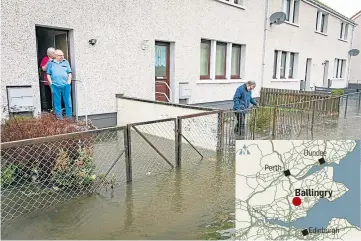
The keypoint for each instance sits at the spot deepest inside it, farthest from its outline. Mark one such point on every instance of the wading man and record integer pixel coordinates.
(241, 100)
(59, 78)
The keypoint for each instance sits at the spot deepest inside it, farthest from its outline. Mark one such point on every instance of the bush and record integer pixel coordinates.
(338, 92)
(260, 120)
(24, 163)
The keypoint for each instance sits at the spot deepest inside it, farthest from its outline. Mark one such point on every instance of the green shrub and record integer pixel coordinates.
(338, 92)
(260, 120)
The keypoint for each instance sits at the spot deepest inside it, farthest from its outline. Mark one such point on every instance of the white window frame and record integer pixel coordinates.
(344, 31)
(290, 72)
(292, 9)
(213, 57)
(235, 3)
(339, 68)
(321, 22)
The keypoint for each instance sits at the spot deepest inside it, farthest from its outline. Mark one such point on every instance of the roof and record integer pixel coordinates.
(356, 15)
(321, 5)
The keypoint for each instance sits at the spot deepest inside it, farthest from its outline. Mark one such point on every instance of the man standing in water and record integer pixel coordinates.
(241, 100)
(59, 77)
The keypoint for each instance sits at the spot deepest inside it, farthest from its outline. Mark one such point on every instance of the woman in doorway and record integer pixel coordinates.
(47, 89)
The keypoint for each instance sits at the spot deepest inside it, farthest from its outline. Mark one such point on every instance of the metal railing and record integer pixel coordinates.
(40, 172)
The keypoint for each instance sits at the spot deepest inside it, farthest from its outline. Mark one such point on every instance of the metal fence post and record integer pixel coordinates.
(346, 106)
(178, 142)
(254, 124)
(274, 123)
(359, 98)
(128, 153)
(220, 132)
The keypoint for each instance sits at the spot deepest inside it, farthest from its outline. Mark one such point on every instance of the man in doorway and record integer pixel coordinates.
(59, 77)
(241, 100)
(50, 55)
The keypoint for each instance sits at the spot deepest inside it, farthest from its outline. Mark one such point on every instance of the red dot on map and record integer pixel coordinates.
(296, 201)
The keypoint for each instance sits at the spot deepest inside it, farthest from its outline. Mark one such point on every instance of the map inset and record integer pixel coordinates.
(298, 190)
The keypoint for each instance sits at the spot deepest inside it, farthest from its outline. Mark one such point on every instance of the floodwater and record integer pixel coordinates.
(166, 205)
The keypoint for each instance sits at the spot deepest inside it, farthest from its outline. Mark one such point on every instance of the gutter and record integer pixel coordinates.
(264, 41)
(330, 10)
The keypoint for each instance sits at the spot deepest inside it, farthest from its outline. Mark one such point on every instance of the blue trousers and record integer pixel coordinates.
(65, 92)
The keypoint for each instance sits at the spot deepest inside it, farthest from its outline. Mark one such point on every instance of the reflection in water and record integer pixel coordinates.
(128, 221)
(177, 193)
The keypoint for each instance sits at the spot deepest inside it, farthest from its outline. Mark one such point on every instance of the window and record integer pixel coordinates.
(292, 63)
(291, 8)
(344, 31)
(205, 59)
(236, 62)
(221, 53)
(220, 60)
(275, 65)
(321, 22)
(284, 65)
(340, 65)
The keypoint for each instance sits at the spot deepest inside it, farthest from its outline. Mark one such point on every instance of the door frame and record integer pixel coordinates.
(168, 46)
(71, 58)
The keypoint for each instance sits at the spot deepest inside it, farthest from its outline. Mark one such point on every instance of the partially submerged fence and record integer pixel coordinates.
(273, 97)
(41, 172)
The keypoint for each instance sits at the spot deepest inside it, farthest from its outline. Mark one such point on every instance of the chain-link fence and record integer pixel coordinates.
(42, 172)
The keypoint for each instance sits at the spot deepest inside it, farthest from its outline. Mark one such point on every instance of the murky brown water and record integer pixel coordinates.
(168, 205)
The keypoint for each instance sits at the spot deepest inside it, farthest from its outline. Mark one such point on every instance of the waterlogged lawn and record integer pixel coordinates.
(221, 230)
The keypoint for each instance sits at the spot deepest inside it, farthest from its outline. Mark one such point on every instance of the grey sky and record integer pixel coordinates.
(346, 7)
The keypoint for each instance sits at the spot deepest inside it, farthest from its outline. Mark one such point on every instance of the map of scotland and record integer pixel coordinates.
(298, 190)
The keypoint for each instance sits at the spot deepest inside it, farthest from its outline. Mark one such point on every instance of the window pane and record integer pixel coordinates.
(236, 60)
(345, 32)
(341, 34)
(341, 68)
(292, 62)
(295, 11)
(160, 61)
(288, 9)
(205, 51)
(337, 68)
(275, 65)
(221, 59)
(283, 65)
(322, 22)
(317, 18)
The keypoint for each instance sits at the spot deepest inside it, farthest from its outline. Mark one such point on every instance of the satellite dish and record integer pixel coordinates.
(354, 52)
(278, 18)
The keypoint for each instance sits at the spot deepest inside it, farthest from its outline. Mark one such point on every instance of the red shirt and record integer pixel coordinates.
(43, 62)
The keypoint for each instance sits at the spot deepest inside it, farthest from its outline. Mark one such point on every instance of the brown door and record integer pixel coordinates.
(162, 86)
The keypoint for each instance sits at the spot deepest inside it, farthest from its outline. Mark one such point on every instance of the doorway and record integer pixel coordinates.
(308, 74)
(325, 73)
(162, 66)
(46, 38)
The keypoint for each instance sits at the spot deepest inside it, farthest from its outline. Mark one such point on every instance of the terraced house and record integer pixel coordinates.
(355, 73)
(179, 51)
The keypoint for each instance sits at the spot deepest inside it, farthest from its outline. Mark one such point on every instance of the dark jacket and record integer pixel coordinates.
(242, 98)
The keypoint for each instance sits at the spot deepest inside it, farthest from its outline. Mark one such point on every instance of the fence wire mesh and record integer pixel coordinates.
(152, 148)
(40, 174)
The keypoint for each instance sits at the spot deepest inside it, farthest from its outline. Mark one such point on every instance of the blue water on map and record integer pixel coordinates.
(348, 172)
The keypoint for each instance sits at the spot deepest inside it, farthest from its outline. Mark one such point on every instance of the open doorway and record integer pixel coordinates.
(58, 39)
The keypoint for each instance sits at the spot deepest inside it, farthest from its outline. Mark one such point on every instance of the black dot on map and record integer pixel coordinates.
(322, 160)
(287, 173)
(305, 232)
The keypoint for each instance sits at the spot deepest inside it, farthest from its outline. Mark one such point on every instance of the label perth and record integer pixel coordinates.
(313, 193)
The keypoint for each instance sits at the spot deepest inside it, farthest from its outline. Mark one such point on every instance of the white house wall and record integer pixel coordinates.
(303, 39)
(117, 63)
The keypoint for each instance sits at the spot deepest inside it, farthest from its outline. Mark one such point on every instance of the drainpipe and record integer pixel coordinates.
(349, 58)
(264, 41)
